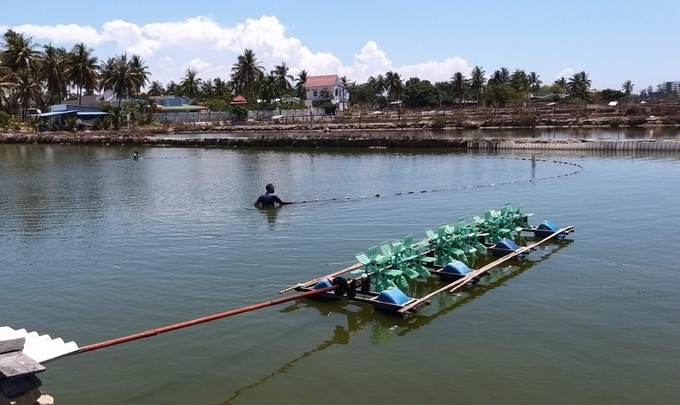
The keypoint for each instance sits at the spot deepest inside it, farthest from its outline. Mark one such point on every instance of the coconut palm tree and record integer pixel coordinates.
(190, 83)
(156, 89)
(28, 90)
(283, 79)
(562, 83)
(246, 73)
(8, 82)
(534, 81)
(627, 88)
(500, 77)
(124, 77)
(18, 51)
(395, 86)
(84, 72)
(174, 89)
(579, 87)
(207, 90)
(54, 71)
(519, 81)
(221, 89)
(300, 85)
(477, 82)
(270, 88)
(378, 84)
(459, 86)
(140, 71)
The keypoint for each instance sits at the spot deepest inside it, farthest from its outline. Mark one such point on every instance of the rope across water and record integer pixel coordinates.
(574, 166)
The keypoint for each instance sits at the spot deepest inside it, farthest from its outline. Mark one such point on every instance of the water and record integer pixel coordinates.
(96, 245)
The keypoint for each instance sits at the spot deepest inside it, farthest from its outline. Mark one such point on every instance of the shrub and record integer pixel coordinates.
(439, 122)
(637, 121)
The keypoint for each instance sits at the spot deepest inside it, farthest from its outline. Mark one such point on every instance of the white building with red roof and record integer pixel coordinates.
(316, 84)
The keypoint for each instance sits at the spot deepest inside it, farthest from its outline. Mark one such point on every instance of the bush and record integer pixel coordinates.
(637, 121)
(439, 122)
(240, 112)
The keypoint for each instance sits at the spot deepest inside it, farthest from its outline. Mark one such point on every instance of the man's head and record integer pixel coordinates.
(269, 187)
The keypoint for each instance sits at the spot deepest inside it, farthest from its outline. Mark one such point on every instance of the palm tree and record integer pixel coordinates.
(562, 83)
(300, 85)
(54, 71)
(459, 86)
(395, 86)
(269, 88)
(221, 89)
(579, 87)
(28, 90)
(19, 52)
(283, 79)
(124, 77)
(627, 88)
(140, 71)
(190, 83)
(377, 84)
(174, 89)
(84, 72)
(477, 82)
(500, 77)
(207, 90)
(534, 81)
(519, 81)
(8, 81)
(156, 89)
(246, 73)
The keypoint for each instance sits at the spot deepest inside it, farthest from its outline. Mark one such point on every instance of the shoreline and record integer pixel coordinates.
(359, 139)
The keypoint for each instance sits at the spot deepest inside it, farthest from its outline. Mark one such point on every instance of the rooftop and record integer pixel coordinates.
(318, 81)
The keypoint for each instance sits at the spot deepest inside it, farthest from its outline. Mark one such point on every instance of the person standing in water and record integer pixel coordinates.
(269, 199)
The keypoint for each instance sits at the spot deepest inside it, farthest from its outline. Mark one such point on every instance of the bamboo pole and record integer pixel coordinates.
(158, 331)
(457, 284)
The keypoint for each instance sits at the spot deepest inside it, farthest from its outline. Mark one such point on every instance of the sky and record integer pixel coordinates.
(611, 40)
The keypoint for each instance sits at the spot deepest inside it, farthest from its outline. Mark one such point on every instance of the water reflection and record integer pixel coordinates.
(354, 318)
(270, 213)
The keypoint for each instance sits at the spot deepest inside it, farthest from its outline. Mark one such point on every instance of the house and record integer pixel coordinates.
(315, 85)
(58, 112)
(177, 103)
(93, 100)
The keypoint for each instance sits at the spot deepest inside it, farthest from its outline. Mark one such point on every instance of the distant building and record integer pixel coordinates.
(177, 103)
(173, 101)
(672, 86)
(315, 85)
(93, 100)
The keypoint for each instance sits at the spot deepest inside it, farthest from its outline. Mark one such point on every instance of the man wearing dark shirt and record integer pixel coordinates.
(269, 199)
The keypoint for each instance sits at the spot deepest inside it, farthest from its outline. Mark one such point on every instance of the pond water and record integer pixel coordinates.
(96, 245)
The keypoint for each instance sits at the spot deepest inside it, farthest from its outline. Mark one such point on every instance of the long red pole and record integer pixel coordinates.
(154, 332)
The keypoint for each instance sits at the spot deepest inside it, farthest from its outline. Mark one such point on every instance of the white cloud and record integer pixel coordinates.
(566, 73)
(201, 43)
(199, 65)
(61, 34)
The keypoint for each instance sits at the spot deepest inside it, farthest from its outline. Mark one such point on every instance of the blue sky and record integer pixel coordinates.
(612, 41)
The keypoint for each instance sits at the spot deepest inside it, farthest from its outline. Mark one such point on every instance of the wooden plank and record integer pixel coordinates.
(12, 345)
(15, 364)
(457, 284)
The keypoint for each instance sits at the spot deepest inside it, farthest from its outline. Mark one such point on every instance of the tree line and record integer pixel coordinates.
(33, 75)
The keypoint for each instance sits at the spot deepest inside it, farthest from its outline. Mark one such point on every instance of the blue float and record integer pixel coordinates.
(504, 247)
(546, 229)
(393, 296)
(456, 267)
